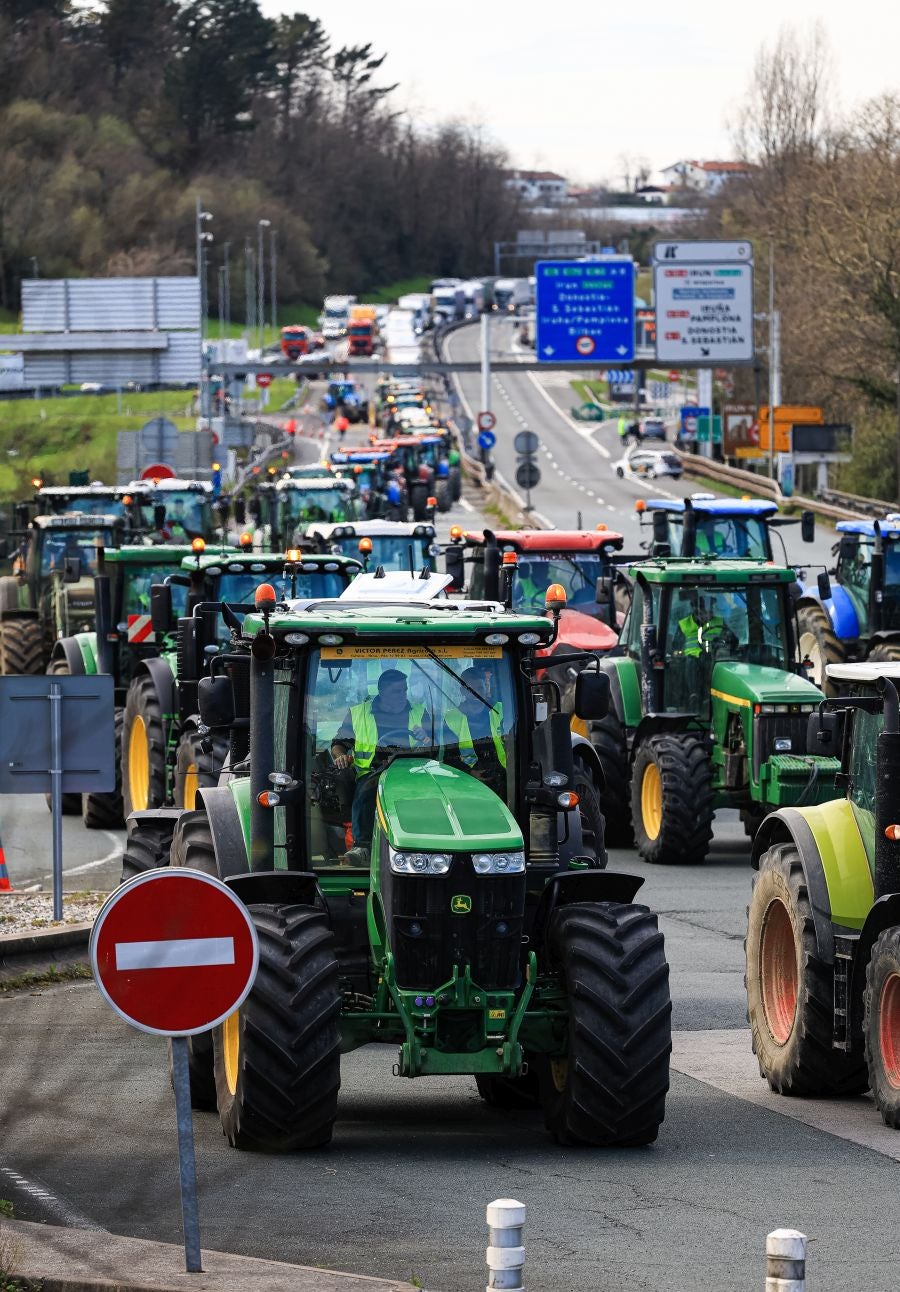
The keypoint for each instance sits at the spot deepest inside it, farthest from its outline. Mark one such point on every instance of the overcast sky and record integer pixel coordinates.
(576, 86)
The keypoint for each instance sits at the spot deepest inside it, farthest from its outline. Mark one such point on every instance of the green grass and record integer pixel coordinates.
(393, 291)
(46, 977)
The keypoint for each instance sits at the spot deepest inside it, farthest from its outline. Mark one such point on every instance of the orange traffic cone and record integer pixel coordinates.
(5, 885)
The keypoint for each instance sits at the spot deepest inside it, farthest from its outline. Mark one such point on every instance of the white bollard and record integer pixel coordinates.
(506, 1253)
(785, 1261)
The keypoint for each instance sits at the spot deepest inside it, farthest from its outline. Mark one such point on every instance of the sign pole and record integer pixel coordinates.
(187, 1162)
(771, 365)
(485, 363)
(55, 697)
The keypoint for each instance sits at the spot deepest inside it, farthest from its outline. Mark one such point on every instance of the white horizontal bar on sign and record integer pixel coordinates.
(174, 953)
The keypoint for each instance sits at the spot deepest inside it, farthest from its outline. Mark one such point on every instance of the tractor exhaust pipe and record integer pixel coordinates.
(876, 582)
(887, 778)
(262, 741)
(689, 534)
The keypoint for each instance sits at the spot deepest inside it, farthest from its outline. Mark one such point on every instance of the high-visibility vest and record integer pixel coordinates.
(691, 631)
(459, 725)
(365, 731)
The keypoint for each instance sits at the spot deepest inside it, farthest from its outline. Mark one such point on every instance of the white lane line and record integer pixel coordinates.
(116, 852)
(53, 1206)
(465, 504)
(724, 1060)
(174, 953)
(585, 434)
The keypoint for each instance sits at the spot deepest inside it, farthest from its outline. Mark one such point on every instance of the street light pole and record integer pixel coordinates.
(226, 283)
(261, 282)
(201, 238)
(249, 291)
(273, 270)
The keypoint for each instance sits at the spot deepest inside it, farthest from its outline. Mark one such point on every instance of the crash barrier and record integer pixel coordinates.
(762, 485)
(506, 1252)
(876, 507)
(786, 1261)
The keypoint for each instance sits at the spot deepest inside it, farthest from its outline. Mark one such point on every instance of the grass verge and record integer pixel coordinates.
(49, 977)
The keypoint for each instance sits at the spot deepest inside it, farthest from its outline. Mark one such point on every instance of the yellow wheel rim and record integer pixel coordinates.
(559, 1071)
(139, 765)
(191, 786)
(651, 801)
(231, 1049)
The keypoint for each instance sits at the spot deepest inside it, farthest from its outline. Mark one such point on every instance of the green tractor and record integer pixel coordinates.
(50, 593)
(708, 706)
(474, 925)
(165, 757)
(823, 925)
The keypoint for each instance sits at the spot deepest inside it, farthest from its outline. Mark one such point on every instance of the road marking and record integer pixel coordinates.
(586, 434)
(724, 1060)
(466, 505)
(53, 1206)
(174, 953)
(94, 865)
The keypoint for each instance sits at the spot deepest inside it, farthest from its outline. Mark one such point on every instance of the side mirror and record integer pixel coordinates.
(162, 619)
(159, 515)
(825, 733)
(215, 698)
(660, 527)
(240, 510)
(72, 569)
(603, 590)
(453, 564)
(808, 526)
(591, 695)
(824, 585)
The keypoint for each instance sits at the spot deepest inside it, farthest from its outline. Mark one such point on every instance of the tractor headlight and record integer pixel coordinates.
(498, 863)
(419, 863)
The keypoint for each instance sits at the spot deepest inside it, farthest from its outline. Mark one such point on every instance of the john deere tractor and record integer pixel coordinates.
(165, 758)
(474, 927)
(709, 708)
(823, 925)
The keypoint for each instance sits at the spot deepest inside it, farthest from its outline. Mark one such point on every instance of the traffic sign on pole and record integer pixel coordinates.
(526, 442)
(486, 421)
(174, 952)
(263, 379)
(486, 439)
(584, 310)
(704, 302)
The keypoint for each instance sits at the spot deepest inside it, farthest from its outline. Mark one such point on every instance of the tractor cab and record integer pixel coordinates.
(388, 544)
(369, 469)
(130, 503)
(182, 510)
(299, 503)
(704, 525)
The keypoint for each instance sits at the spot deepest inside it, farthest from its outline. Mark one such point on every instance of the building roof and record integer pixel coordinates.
(537, 175)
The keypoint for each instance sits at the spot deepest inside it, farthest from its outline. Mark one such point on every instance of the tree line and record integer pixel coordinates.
(115, 116)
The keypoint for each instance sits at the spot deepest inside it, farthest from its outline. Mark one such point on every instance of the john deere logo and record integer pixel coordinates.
(461, 904)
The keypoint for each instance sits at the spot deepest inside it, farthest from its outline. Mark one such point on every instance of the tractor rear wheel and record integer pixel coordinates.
(819, 642)
(887, 652)
(71, 803)
(143, 748)
(418, 498)
(443, 495)
(192, 846)
(509, 1092)
(882, 1025)
(197, 768)
(146, 848)
(456, 483)
(104, 811)
(277, 1058)
(9, 592)
(608, 738)
(21, 646)
(609, 1088)
(672, 800)
(790, 988)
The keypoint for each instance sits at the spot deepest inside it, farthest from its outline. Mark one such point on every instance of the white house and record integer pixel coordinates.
(704, 176)
(543, 186)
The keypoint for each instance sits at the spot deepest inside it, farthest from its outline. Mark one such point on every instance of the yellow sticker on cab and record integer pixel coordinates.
(411, 652)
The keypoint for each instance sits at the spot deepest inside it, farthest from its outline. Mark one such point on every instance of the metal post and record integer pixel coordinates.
(221, 302)
(273, 278)
(56, 773)
(496, 259)
(226, 271)
(771, 365)
(187, 1164)
(785, 1261)
(485, 363)
(249, 290)
(261, 283)
(506, 1253)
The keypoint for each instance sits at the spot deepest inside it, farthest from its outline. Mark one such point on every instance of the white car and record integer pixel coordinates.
(648, 464)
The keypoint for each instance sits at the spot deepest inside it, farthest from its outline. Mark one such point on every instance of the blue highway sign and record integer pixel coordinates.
(585, 310)
(486, 440)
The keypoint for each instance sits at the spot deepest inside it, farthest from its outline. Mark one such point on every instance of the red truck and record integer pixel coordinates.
(362, 330)
(295, 341)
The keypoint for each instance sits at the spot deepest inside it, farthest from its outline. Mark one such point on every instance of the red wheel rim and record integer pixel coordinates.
(778, 971)
(889, 1029)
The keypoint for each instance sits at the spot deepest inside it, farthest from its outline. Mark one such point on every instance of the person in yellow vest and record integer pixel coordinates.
(475, 727)
(700, 629)
(365, 740)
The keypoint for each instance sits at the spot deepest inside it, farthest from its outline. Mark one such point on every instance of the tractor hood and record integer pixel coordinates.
(759, 684)
(426, 806)
(584, 632)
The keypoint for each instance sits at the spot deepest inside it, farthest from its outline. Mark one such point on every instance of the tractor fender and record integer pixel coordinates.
(163, 680)
(657, 722)
(580, 886)
(624, 688)
(226, 823)
(19, 613)
(584, 752)
(834, 861)
(72, 651)
(229, 837)
(839, 610)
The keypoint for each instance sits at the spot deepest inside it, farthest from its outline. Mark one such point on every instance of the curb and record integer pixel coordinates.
(44, 941)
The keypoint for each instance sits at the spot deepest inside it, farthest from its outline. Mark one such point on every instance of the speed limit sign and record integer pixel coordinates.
(486, 421)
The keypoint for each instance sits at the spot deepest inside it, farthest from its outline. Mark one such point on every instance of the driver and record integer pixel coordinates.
(700, 628)
(475, 728)
(532, 582)
(365, 740)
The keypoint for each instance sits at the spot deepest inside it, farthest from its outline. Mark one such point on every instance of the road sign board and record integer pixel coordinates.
(528, 474)
(174, 952)
(486, 421)
(526, 442)
(711, 252)
(675, 375)
(486, 439)
(585, 310)
(620, 376)
(158, 471)
(263, 379)
(85, 755)
(704, 312)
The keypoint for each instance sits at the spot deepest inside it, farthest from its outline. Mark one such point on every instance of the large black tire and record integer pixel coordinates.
(443, 495)
(277, 1059)
(882, 1025)
(197, 768)
(510, 1092)
(610, 1087)
(591, 814)
(884, 652)
(9, 592)
(418, 497)
(818, 640)
(192, 846)
(608, 738)
(22, 647)
(104, 811)
(71, 803)
(672, 800)
(146, 848)
(790, 988)
(456, 483)
(143, 748)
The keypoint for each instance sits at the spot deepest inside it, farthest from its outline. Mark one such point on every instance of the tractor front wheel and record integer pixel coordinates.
(103, 811)
(887, 652)
(790, 988)
(819, 643)
(143, 748)
(198, 761)
(609, 1088)
(146, 848)
(882, 1025)
(192, 846)
(21, 646)
(608, 738)
(277, 1057)
(672, 799)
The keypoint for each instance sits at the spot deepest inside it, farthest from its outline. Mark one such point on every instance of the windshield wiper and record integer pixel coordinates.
(447, 669)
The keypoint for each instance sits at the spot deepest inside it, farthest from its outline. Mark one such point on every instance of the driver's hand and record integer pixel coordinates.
(343, 760)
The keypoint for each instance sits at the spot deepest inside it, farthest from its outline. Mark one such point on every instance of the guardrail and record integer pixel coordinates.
(852, 507)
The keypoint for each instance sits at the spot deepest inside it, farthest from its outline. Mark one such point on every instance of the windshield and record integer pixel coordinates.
(60, 545)
(867, 727)
(240, 589)
(724, 536)
(304, 506)
(139, 579)
(366, 704)
(185, 511)
(578, 573)
(90, 506)
(393, 553)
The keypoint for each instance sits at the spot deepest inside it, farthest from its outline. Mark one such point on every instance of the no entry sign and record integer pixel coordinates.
(174, 952)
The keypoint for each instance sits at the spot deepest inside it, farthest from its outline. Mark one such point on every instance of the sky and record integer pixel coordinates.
(579, 86)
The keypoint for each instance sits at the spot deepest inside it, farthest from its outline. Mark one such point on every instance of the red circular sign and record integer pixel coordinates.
(674, 376)
(486, 421)
(174, 952)
(585, 344)
(263, 379)
(157, 471)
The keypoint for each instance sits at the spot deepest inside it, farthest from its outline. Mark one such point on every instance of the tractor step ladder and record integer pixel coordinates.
(845, 945)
